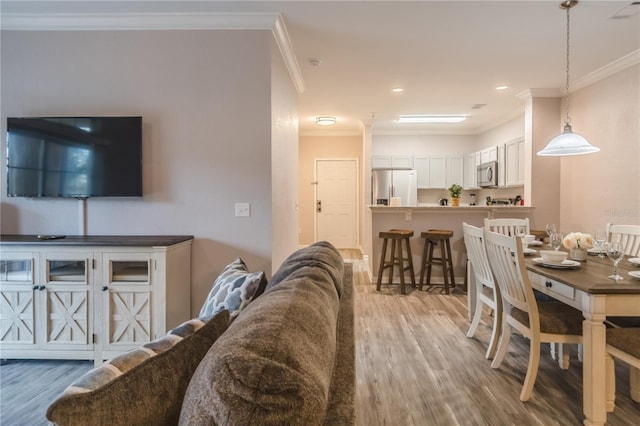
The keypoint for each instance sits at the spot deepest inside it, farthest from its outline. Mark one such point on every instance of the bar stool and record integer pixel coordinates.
(397, 236)
(431, 239)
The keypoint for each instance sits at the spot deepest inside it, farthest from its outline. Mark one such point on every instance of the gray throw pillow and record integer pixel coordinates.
(233, 290)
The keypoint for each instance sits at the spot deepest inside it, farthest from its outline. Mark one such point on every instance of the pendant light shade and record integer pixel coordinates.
(567, 143)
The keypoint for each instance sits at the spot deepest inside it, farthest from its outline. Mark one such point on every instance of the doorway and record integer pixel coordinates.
(336, 217)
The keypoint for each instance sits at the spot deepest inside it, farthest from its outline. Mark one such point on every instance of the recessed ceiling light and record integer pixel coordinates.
(325, 121)
(502, 87)
(431, 118)
(397, 90)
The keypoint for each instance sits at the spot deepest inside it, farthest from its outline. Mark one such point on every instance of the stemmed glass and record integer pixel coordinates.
(551, 229)
(615, 253)
(600, 237)
(556, 240)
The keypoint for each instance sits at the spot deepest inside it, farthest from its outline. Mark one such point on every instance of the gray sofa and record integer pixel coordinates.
(287, 358)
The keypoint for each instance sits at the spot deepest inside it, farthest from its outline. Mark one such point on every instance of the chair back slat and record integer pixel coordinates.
(473, 241)
(628, 235)
(507, 264)
(506, 226)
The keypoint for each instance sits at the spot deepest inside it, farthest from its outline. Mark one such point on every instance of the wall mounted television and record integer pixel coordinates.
(74, 157)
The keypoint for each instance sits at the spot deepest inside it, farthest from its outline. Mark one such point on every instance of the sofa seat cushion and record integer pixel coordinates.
(274, 365)
(143, 386)
(233, 290)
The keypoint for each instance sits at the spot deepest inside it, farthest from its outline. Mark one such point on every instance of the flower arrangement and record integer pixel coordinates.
(577, 240)
(455, 190)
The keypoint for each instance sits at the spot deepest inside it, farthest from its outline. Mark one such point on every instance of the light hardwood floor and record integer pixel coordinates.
(415, 366)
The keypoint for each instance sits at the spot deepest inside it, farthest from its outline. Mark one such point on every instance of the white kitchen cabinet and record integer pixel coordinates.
(421, 165)
(501, 166)
(489, 154)
(437, 171)
(514, 163)
(455, 170)
(90, 297)
(392, 162)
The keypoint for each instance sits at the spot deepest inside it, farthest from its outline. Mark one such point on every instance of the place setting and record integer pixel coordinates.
(636, 262)
(555, 258)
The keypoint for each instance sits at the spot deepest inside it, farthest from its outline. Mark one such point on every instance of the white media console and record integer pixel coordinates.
(90, 297)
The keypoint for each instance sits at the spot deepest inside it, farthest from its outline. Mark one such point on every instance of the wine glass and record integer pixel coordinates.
(520, 231)
(615, 253)
(551, 229)
(600, 237)
(556, 240)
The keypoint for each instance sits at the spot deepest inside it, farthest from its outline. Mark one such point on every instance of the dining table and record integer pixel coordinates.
(586, 285)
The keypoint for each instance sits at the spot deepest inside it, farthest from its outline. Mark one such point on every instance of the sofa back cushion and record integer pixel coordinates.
(274, 364)
(145, 386)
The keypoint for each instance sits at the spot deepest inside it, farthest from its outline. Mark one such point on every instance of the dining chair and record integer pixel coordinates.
(506, 226)
(485, 288)
(624, 345)
(628, 235)
(549, 322)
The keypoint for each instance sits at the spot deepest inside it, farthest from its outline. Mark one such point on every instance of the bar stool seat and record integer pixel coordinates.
(431, 239)
(397, 257)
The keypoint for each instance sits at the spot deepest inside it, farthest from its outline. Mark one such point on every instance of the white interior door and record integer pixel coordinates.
(337, 202)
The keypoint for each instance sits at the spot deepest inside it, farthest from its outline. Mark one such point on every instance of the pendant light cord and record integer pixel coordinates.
(567, 120)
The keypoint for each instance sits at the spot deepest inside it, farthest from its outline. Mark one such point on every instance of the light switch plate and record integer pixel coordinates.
(243, 209)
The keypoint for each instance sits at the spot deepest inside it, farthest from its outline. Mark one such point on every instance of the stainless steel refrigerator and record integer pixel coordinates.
(387, 184)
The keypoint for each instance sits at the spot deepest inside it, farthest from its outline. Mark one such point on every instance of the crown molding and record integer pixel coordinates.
(618, 65)
(162, 21)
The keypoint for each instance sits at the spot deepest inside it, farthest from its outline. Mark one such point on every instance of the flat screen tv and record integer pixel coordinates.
(74, 157)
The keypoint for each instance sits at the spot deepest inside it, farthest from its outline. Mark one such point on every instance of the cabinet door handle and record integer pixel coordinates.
(548, 284)
(105, 288)
(35, 287)
(41, 288)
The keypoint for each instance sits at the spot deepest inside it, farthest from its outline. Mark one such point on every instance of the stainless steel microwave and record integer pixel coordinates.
(488, 175)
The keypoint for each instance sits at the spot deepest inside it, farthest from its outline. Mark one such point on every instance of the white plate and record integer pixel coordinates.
(565, 263)
(535, 243)
(635, 274)
(635, 260)
(529, 251)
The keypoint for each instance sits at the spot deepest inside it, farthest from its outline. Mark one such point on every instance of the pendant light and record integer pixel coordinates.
(567, 143)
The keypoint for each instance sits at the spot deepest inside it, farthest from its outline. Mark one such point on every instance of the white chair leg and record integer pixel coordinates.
(503, 344)
(610, 384)
(563, 355)
(552, 351)
(476, 318)
(634, 383)
(532, 369)
(495, 335)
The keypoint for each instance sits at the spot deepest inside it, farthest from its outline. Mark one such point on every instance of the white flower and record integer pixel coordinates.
(577, 240)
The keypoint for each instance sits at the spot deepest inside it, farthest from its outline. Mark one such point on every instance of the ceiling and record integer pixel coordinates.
(448, 56)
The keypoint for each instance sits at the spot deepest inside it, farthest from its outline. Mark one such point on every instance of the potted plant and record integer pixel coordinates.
(455, 191)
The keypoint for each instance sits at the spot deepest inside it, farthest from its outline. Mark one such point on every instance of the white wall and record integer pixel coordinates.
(422, 144)
(605, 186)
(284, 151)
(206, 102)
(512, 129)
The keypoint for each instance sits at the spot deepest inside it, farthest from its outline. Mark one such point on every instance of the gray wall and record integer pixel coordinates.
(206, 102)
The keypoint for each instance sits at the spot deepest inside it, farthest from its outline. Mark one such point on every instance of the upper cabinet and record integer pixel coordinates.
(421, 164)
(489, 154)
(514, 163)
(455, 170)
(392, 162)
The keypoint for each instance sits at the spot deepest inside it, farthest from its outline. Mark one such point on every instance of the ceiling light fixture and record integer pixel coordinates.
(567, 143)
(431, 118)
(325, 121)
(397, 90)
(502, 87)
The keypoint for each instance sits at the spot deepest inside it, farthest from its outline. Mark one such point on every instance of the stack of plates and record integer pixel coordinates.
(560, 265)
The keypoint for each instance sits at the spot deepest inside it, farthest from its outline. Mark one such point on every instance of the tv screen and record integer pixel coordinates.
(74, 157)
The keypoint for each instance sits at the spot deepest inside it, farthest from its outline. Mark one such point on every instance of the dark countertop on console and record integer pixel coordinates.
(98, 240)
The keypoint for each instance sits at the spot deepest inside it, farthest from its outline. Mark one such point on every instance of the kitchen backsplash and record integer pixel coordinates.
(432, 196)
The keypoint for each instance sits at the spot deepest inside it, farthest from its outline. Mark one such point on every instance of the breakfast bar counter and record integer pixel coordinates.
(433, 216)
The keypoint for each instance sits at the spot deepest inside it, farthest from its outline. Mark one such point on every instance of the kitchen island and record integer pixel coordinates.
(432, 216)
